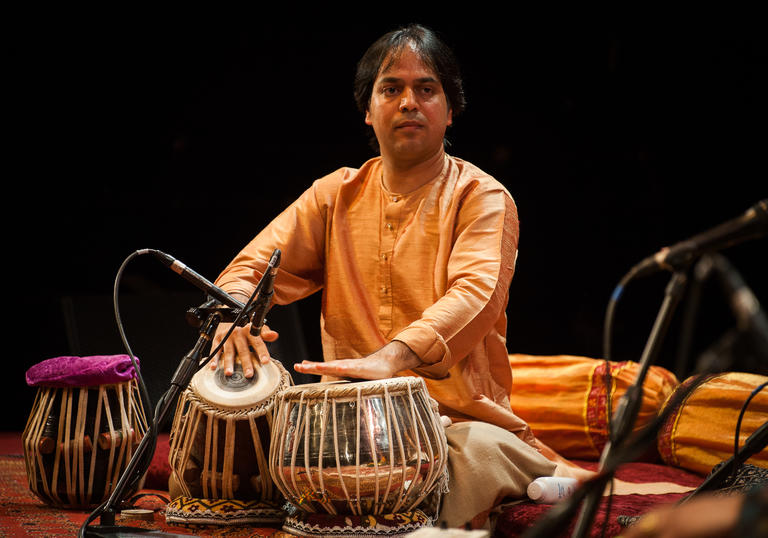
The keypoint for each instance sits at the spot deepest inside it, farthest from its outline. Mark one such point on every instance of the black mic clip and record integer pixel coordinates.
(197, 315)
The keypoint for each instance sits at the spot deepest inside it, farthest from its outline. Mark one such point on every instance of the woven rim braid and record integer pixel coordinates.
(343, 390)
(262, 407)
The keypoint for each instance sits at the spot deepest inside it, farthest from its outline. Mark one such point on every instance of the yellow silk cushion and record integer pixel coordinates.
(564, 400)
(700, 433)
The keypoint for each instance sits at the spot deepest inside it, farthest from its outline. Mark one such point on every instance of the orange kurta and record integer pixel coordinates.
(430, 268)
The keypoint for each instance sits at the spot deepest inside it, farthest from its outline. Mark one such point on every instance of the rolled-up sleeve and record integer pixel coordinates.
(479, 272)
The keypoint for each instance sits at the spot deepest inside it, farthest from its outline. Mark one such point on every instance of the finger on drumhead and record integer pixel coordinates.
(214, 362)
(244, 351)
(247, 364)
(227, 362)
(259, 349)
(253, 352)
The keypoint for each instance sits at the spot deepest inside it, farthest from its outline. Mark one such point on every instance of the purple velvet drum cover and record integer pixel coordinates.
(85, 424)
(81, 371)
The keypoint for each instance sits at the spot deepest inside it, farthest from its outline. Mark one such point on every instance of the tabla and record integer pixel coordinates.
(79, 440)
(362, 448)
(220, 438)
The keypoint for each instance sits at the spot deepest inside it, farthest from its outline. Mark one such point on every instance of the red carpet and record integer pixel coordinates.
(23, 514)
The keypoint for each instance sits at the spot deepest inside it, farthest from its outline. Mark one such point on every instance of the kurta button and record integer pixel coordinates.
(384, 257)
(389, 226)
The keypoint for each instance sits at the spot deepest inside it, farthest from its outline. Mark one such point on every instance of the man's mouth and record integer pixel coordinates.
(409, 124)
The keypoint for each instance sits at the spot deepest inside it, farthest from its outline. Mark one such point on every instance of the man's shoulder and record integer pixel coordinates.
(346, 174)
(471, 177)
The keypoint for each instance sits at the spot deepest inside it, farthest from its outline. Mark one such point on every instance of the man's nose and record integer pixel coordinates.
(408, 100)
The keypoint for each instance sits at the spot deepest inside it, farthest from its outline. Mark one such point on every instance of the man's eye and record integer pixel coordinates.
(389, 90)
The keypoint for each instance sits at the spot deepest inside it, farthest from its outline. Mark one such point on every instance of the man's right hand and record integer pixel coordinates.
(243, 347)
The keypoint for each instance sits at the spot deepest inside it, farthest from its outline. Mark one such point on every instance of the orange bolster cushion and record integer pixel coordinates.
(700, 433)
(564, 400)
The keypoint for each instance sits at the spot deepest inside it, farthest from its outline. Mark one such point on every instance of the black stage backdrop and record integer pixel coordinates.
(187, 136)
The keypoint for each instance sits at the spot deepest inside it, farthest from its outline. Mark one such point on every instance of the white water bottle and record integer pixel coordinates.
(551, 489)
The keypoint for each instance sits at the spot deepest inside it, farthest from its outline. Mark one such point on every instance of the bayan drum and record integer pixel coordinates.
(362, 448)
(79, 440)
(220, 438)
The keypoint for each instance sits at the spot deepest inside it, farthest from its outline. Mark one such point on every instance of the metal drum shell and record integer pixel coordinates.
(370, 447)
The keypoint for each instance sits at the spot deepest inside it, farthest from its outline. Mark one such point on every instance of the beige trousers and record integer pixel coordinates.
(485, 465)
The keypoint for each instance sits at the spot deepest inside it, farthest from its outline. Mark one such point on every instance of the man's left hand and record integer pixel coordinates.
(382, 364)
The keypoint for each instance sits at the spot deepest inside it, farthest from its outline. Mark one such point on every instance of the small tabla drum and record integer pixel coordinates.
(361, 448)
(220, 437)
(79, 439)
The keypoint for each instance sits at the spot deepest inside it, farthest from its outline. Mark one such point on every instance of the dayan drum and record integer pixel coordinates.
(79, 439)
(363, 448)
(220, 438)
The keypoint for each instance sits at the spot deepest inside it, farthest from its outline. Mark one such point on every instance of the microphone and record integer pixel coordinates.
(752, 224)
(194, 278)
(266, 291)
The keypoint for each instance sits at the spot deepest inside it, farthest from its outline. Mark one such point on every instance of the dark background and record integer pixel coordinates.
(188, 136)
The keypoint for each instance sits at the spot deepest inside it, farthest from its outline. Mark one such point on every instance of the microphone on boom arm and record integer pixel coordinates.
(196, 279)
(751, 225)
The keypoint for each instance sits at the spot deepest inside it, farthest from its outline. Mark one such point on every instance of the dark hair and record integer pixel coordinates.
(432, 51)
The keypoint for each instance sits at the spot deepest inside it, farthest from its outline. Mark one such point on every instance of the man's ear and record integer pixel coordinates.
(368, 117)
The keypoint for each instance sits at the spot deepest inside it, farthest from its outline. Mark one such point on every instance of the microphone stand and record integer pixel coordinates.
(179, 382)
(235, 313)
(560, 515)
(620, 448)
(629, 405)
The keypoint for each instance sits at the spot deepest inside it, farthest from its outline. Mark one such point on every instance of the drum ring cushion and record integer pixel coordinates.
(197, 511)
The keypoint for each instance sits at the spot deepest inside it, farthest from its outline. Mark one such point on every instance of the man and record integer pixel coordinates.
(414, 253)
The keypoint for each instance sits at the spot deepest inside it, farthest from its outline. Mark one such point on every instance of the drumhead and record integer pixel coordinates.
(237, 391)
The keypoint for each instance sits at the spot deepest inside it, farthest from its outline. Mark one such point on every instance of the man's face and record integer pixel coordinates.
(408, 111)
